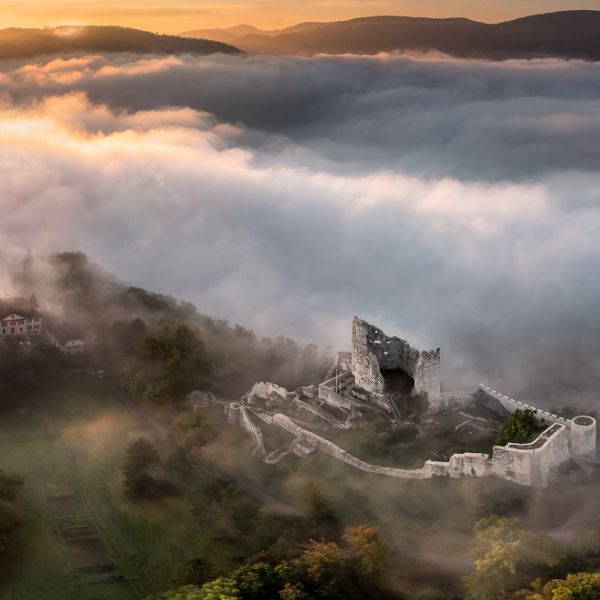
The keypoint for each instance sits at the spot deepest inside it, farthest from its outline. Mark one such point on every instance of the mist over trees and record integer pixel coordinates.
(350, 569)
(24, 372)
(10, 522)
(163, 348)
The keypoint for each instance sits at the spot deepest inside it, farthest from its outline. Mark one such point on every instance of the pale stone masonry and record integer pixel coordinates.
(373, 351)
(355, 387)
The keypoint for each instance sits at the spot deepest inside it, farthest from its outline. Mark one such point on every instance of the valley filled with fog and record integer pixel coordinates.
(454, 202)
(303, 312)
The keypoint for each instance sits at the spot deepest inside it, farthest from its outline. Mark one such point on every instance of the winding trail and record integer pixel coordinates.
(151, 421)
(446, 562)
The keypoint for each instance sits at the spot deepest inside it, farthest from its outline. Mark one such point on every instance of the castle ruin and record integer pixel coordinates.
(375, 379)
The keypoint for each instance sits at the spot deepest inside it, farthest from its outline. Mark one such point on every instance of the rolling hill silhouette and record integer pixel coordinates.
(26, 43)
(565, 34)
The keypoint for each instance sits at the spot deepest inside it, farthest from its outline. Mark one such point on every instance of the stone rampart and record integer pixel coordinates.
(505, 405)
(459, 465)
(532, 464)
(535, 463)
(253, 431)
(316, 441)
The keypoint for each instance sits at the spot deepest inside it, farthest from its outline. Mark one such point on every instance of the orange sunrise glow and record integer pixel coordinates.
(177, 16)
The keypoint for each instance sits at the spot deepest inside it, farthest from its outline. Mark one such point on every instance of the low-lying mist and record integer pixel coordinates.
(454, 203)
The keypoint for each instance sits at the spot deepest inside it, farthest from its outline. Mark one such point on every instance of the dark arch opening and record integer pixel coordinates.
(398, 382)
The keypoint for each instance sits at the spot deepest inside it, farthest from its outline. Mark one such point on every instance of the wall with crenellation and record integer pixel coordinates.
(504, 405)
(534, 464)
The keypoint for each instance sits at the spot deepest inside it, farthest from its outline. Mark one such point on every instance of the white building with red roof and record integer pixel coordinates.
(20, 317)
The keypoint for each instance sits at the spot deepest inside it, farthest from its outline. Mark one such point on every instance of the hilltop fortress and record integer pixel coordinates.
(385, 377)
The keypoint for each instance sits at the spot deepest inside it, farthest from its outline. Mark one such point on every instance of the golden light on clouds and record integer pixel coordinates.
(176, 16)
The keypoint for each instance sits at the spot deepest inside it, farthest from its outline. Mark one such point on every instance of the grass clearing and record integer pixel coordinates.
(75, 437)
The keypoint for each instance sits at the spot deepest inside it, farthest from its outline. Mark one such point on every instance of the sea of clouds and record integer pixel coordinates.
(455, 203)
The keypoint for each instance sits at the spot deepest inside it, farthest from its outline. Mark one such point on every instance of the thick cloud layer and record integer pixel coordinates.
(428, 117)
(453, 202)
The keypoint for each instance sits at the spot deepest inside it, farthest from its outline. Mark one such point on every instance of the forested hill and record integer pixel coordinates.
(160, 347)
(26, 43)
(566, 34)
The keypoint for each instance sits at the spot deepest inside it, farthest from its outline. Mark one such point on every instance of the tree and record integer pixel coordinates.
(281, 535)
(319, 509)
(293, 591)
(187, 592)
(508, 557)
(9, 525)
(10, 483)
(519, 427)
(140, 457)
(328, 570)
(170, 363)
(257, 581)
(223, 588)
(193, 429)
(178, 464)
(367, 549)
(579, 586)
(196, 571)
(323, 568)
(324, 571)
(10, 522)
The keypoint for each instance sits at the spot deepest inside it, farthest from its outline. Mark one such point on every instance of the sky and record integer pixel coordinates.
(455, 203)
(176, 16)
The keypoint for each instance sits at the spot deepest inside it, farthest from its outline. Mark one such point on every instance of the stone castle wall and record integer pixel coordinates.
(504, 405)
(237, 413)
(460, 465)
(534, 464)
(583, 437)
(372, 351)
(364, 363)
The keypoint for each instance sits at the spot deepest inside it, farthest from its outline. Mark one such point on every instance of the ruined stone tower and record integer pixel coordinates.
(376, 357)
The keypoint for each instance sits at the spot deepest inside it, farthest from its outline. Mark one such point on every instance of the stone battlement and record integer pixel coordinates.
(510, 405)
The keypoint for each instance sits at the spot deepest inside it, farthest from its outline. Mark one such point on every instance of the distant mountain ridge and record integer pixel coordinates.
(27, 43)
(564, 34)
